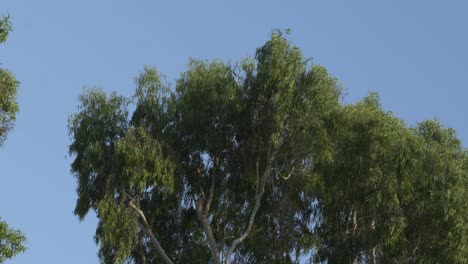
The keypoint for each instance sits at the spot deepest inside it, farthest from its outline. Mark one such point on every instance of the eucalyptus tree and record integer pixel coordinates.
(202, 172)
(258, 162)
(435, 205)
(389, 193)
(360, 217)
(11, 241)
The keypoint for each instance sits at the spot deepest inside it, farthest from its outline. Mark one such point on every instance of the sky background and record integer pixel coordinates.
(413, 53)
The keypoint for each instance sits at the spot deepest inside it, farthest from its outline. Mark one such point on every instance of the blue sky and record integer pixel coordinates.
(414, 53)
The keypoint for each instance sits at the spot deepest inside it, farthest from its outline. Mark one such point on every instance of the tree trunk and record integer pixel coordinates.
(354, 234)
(261, 182)
(147, 229)
(208, 232)
(236, 242)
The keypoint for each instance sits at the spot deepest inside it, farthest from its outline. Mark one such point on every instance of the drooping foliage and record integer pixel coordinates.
(11, 241)
(258, 162)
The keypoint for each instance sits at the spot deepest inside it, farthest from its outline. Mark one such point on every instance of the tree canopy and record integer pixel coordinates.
(260, 162)
(11, 241)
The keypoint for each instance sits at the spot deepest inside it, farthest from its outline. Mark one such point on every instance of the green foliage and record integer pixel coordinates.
(102, 121)
(260, 159)
(5, 28)
(8, 89)
(11, 242)
(391, 193)
(8, 105)
(358, 197)
(140, 162)
(117, 231)
(437, 209)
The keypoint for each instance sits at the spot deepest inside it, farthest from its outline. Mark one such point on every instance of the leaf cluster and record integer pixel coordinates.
(11, 242)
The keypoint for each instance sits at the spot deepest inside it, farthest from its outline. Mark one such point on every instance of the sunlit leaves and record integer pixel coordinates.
(11, 242)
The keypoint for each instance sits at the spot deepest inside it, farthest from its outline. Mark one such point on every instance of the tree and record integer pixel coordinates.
(190, 174)
(11, 241)
(436, 208)
(258, 162)
(391, 193)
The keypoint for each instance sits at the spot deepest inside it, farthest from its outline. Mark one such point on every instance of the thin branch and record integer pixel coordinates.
(257, 181)
(289, 175)
(258, 198)
(237, 241)
(206, 207)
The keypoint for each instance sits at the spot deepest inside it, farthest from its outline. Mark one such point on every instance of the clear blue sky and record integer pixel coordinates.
(414, 53)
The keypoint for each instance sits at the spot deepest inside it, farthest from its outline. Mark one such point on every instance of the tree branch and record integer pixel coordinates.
(202, 208)
(206, 207)
(147, 229)
(257, 174)
(258, 198)
(237, 241)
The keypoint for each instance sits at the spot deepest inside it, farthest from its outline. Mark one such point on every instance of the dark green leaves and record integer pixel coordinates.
(141, 163)
(117, 231)
(101, 123)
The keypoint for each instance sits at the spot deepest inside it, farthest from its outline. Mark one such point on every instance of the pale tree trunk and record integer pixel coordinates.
(202, 207)
(237, 241)
(147, 229)
(208, 233)
(374, 255)
(374, 248)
